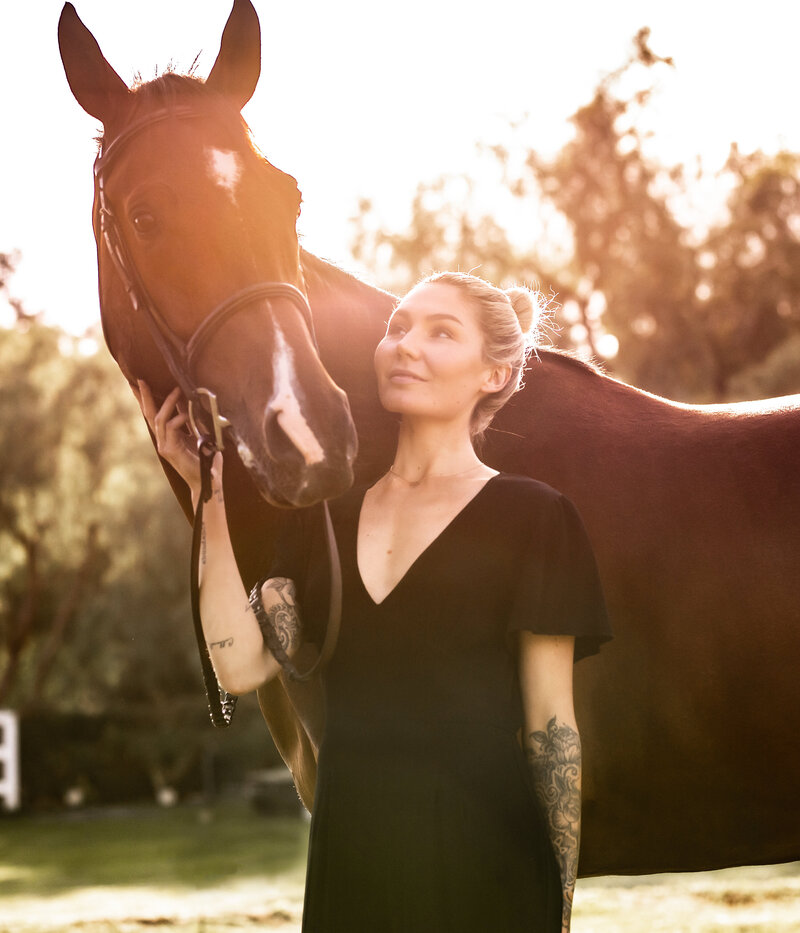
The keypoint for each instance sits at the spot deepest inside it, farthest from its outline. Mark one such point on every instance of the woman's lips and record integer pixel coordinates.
(404, 376)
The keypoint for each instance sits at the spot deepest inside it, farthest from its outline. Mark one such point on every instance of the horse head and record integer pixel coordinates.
(198, 261)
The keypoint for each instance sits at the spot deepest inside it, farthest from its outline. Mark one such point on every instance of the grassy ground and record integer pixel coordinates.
(201, 871)
(98, 871)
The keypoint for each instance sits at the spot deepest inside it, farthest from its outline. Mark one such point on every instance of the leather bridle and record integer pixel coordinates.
(181, 358)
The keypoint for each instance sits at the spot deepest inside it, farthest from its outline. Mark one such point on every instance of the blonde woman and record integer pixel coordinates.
(448, 794)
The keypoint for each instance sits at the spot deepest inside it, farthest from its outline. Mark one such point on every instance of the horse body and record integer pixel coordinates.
(688, 716)
(694, 514)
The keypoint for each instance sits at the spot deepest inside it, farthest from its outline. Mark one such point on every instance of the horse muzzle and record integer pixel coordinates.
(296, 462)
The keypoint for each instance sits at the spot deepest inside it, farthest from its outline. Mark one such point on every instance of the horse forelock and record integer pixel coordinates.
(171, 90)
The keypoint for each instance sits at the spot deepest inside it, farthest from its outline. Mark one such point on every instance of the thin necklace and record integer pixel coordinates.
(418, 482)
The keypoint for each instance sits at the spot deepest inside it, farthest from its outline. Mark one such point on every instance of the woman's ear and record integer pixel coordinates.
(497, 379)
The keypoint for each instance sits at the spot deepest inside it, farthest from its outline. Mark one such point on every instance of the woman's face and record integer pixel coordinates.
(431, 362)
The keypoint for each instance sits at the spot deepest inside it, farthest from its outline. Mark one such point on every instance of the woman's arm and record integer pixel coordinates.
(238, 651)
(241, 658)
(553, 748)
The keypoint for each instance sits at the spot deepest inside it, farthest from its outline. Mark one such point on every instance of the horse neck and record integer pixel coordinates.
(349, 318)
(566, 387)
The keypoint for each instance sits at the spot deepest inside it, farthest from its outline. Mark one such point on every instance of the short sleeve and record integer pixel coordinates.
(559, 590)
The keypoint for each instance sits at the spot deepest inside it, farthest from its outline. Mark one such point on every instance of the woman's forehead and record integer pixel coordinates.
(433, 299)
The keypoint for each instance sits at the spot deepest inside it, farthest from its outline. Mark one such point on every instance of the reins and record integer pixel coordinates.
(181, 358)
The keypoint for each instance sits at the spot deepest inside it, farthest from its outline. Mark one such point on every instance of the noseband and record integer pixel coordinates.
(180, 356)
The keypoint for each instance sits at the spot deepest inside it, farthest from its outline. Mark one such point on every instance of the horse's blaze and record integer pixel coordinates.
(285, 405)
(224, 169)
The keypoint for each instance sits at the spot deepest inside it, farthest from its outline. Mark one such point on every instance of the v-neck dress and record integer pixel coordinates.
(424, 819)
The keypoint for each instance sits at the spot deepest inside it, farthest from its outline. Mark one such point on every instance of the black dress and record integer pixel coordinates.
(424, 819)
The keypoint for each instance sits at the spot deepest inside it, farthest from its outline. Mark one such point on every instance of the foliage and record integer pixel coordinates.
(94, 613)
(78, 496)
(130, 751)
(693, 318)
(752, 278)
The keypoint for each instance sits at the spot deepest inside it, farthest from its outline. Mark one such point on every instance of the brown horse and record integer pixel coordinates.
(689, 718)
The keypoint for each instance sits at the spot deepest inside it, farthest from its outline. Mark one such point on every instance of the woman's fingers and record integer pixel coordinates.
(163, 422)
(163, 415)
(178, 421)
(168, 424)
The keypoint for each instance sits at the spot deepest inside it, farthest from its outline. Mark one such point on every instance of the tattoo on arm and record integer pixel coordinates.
(203, 546)
(284, 622)
(223, 643)
(281, 628)
(554, 757)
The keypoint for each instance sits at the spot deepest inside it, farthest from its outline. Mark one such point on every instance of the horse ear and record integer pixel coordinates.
(238, 65)
(96, 86)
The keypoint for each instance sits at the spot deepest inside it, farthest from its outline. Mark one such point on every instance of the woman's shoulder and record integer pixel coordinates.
(526, 489)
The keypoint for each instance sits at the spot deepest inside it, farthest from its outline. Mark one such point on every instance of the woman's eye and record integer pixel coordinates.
(443, 332)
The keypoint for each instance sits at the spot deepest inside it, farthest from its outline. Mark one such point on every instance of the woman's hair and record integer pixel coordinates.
(510, 322)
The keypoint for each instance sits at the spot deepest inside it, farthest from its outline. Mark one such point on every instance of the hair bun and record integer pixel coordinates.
(526, 305)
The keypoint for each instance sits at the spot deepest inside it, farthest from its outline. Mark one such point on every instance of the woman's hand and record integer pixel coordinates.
(173, 442)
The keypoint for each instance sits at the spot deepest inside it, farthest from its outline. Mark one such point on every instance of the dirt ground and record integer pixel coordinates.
(745, 900)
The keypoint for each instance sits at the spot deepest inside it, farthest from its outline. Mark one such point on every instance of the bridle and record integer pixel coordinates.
(181, 359)
(180, 356)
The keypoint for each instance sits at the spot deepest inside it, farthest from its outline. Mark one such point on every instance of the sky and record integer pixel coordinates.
(362, 98)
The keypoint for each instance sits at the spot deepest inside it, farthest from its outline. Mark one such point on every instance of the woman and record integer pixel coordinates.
(468, 593)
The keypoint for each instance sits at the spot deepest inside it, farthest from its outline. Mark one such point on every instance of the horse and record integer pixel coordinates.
(688, 717)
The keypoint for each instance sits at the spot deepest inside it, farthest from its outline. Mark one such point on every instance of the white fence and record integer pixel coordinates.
(9, 759)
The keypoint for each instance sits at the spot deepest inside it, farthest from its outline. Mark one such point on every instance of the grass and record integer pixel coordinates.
(180, 847)
(180, 869)
(189, 870)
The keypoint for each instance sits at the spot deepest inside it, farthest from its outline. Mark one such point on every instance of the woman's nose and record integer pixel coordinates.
(408, 344)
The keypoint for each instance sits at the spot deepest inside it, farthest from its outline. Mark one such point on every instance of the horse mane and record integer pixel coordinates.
(327, 278)
(568, 358)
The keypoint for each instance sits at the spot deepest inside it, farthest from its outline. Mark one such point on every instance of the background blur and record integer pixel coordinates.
(95, 644)
(656, 197)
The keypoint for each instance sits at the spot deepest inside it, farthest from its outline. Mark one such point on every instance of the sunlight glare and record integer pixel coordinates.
(607, 346)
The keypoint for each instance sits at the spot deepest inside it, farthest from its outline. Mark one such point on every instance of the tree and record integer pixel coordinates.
(446, 231)
(694, 319)
(751, 284)
(94, 612)
(95, 623)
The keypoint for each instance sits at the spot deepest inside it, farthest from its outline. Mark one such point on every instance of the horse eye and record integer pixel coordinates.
(144, 223)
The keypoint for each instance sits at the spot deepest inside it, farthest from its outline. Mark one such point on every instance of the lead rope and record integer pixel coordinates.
(221, 704)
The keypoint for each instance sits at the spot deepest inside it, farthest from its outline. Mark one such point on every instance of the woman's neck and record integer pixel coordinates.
(433, 449)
